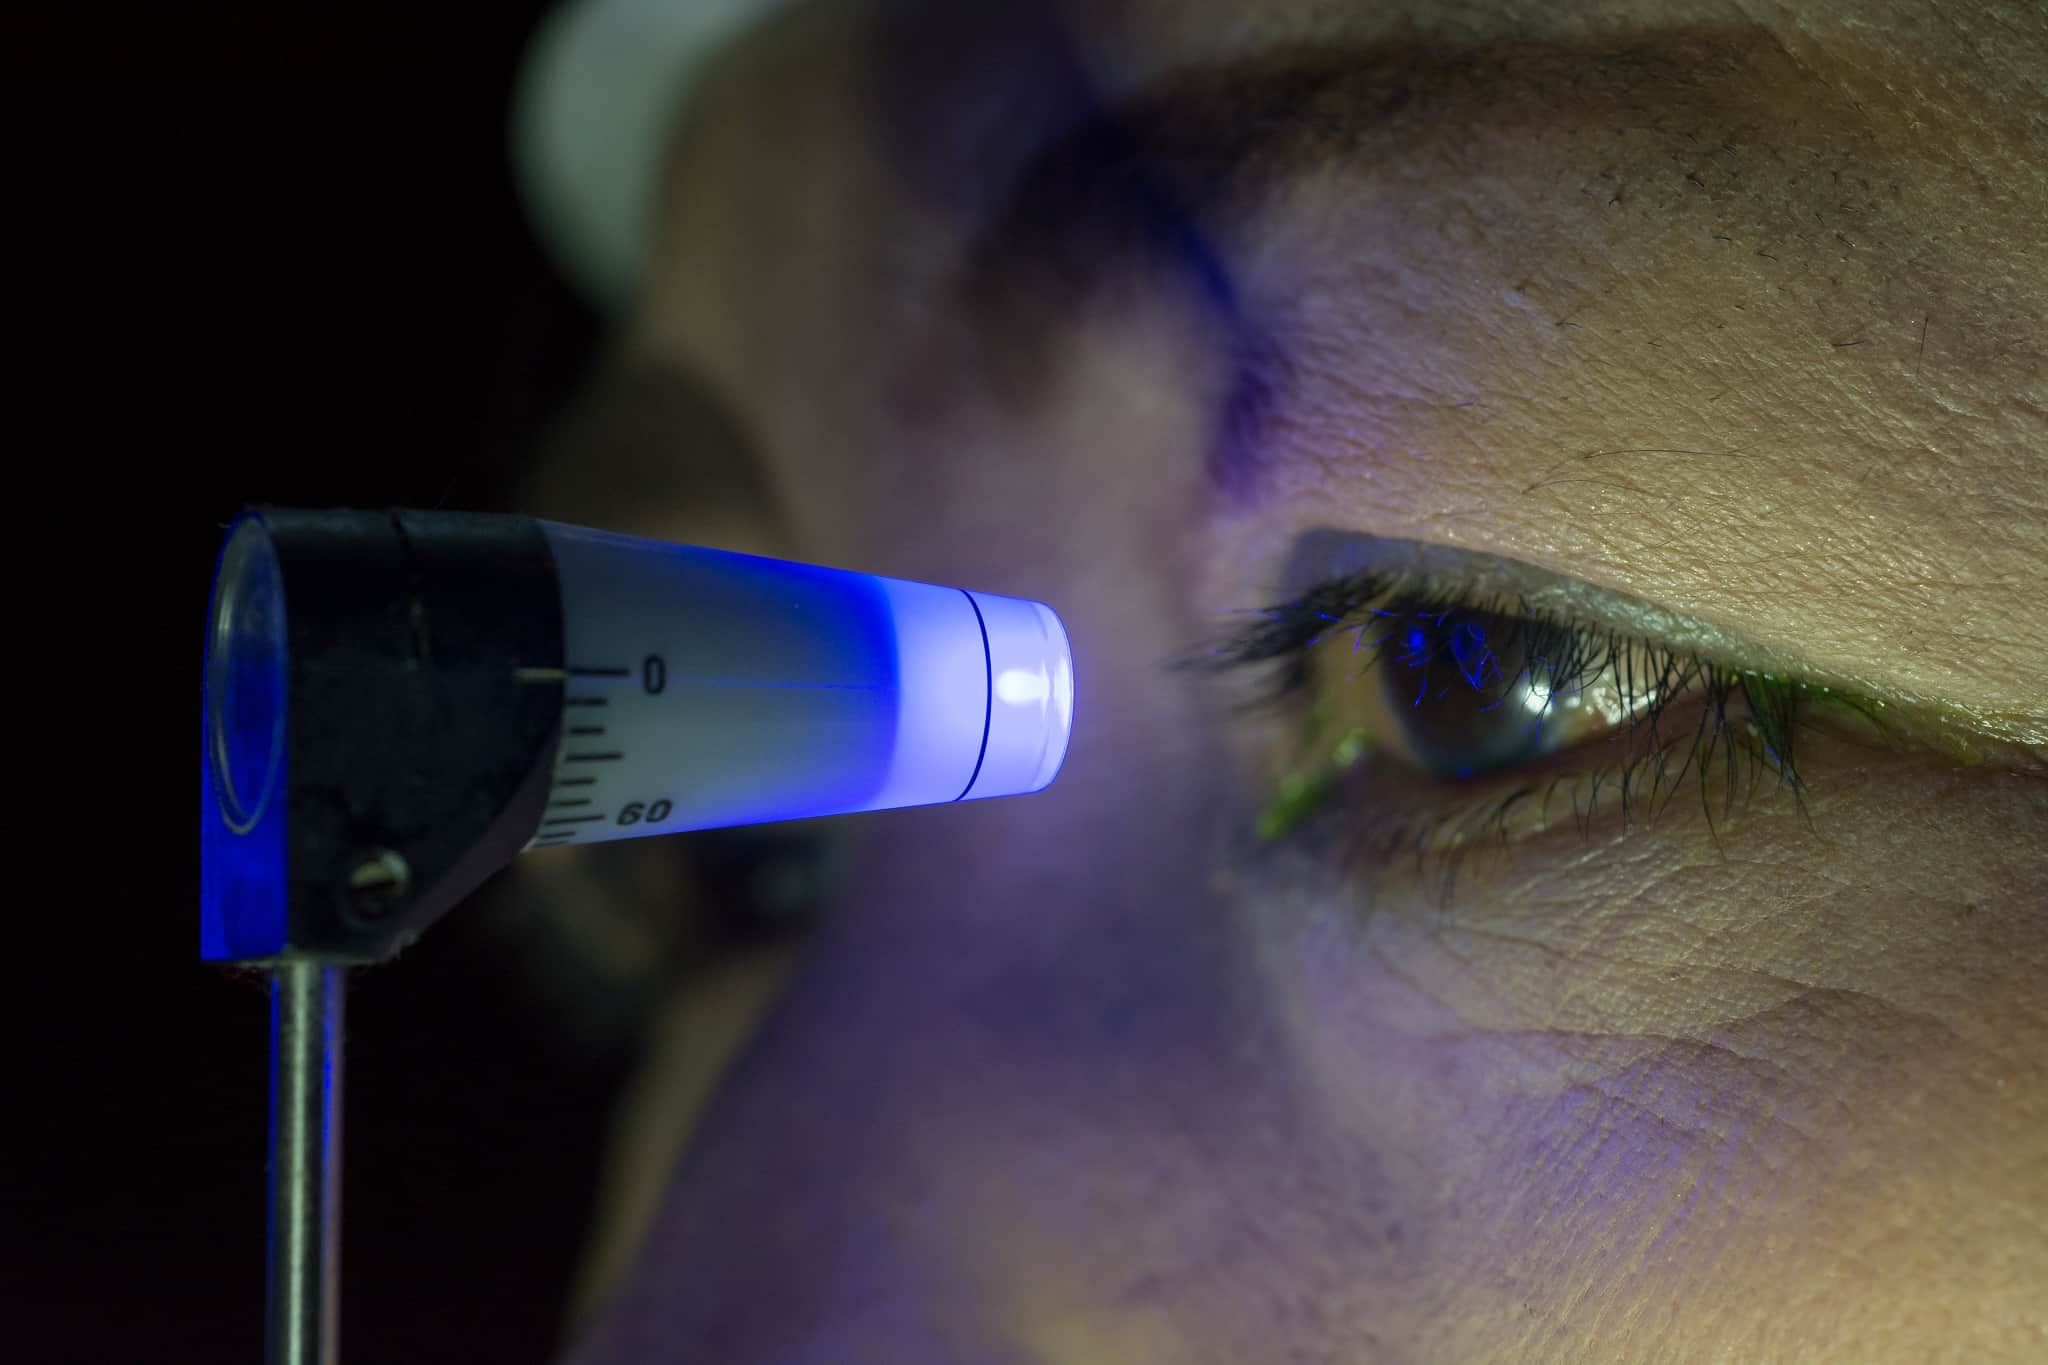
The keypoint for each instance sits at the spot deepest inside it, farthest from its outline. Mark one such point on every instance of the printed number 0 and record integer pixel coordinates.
(652, 812)
(654, 674)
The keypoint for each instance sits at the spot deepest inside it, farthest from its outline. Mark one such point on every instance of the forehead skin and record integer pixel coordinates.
(1068, 1078)
(1520, 293)
(1592, 290)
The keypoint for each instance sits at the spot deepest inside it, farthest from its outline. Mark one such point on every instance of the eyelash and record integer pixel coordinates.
(1649, 677)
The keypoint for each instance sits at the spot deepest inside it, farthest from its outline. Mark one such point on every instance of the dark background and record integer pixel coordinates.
(257, 254)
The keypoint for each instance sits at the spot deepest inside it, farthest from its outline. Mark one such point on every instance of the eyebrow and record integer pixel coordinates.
(1145, 182)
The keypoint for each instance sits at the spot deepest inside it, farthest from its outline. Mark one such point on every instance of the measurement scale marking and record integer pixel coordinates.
(586, 729)
(572, 820)
(575, 782)
(587, 701)
(600, 673)
(581, 802)
(594, 758)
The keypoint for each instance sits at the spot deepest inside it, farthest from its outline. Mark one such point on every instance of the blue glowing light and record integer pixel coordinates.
(243, 754)
(810, 691)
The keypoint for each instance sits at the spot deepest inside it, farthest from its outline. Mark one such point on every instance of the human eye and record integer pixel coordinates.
(1468, 701)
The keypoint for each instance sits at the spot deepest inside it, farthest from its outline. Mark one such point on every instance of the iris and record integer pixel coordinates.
(1445, 691)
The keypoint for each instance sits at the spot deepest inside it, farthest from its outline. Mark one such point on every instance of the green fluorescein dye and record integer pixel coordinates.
(1349, 749)
(1300, 792)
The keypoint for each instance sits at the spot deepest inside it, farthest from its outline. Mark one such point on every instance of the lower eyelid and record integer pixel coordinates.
(1374, 815)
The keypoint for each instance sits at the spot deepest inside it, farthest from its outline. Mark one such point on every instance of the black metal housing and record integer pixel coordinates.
(423, 709)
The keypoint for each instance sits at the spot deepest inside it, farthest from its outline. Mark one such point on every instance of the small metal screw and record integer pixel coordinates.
(378, 884)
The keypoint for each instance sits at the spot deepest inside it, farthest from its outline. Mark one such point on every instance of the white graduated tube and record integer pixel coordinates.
(705, 688)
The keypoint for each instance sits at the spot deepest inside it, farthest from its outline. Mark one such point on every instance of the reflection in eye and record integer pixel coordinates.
(1462, 691)
(1468, 692)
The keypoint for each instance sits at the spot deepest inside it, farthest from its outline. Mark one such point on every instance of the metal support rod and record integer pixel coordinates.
(306, 1001)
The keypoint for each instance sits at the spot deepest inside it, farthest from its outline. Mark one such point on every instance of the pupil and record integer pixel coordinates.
(1458, 689)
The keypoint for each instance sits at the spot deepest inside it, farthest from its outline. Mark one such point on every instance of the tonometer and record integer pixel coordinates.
(397, 703)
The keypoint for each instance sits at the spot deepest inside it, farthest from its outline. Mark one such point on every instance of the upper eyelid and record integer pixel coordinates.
(1473, 578)
(1478, 581)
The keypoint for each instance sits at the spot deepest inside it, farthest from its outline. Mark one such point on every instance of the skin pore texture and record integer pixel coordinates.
(1736, 310)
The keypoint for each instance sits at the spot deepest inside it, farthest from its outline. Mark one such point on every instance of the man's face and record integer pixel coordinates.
(1727, 330)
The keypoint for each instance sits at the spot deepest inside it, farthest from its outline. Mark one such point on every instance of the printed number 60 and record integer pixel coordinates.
(653, 813)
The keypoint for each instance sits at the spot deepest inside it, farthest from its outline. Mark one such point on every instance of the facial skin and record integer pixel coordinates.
(1734, 310)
